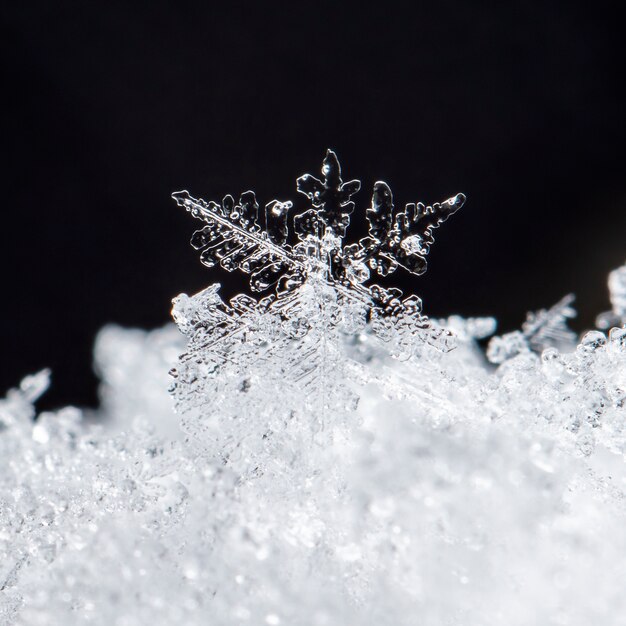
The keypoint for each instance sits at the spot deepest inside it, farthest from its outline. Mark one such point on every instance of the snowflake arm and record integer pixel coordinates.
(232, 237)
(330, 198)
(404, 241)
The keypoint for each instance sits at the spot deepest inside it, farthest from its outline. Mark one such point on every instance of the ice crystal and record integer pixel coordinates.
(142, 395)
(234, 239)
(334, 466)
(617, 289)
(295, 338)
(541, 330)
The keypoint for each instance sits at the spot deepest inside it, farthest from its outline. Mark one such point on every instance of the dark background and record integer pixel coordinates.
(111, 107)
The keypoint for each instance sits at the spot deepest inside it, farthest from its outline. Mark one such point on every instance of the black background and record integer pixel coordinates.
(111, 107)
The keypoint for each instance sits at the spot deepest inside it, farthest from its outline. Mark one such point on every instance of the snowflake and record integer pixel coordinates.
(234, 239)
(294, 338)
(542, 329)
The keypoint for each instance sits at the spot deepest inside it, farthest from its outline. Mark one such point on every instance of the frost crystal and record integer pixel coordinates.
(336, 464)
(541, 330)
(233, 238)
(617, 289)
(295, 338)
